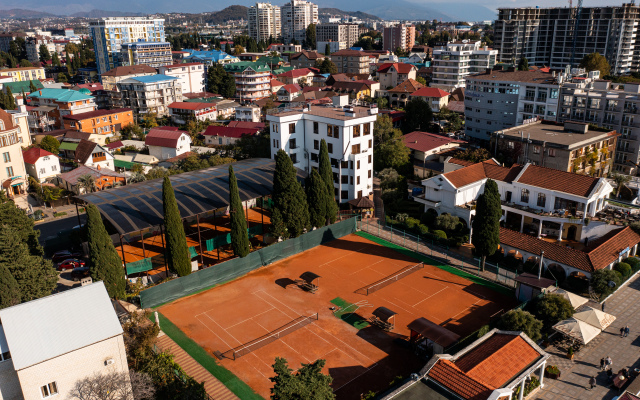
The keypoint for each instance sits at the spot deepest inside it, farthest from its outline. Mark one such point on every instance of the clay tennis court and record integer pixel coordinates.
(358, 360)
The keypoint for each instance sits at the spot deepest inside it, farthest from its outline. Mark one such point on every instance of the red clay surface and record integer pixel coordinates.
(358, 360)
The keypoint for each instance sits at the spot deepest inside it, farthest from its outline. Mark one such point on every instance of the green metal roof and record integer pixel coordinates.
(282, 70)
(20, 86)
(62, 95)
(241, 66)
(122, 163)
(68, 146)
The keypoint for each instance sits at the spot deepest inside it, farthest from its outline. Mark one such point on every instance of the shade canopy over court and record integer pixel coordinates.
(135, 207)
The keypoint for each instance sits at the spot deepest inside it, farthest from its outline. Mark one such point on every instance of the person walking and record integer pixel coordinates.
(603, 305)
(621, 331)
(626, 331)
(608, 363)
(602, 364)
(592, 382)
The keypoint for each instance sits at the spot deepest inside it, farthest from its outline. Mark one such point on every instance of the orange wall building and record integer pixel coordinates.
(100, 121)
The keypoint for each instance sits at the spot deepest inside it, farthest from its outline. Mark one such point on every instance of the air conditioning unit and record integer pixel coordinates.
(108, 362)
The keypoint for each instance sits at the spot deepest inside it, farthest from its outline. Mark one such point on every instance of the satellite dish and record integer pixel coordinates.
(612, 284)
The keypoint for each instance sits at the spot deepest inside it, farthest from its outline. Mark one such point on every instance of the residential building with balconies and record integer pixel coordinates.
(344, 34)
(23, 73)
(457, 60)
(253, 80)
(48, 107)
(115, 75)
(348, 132)
(101, 122)
(13, 175)
(183, 112)
(264, 22)
(611, 106)
(153, 54)
(150, 94)
(305, 59)
(401, 36)
(297, 15)
(570, 146)
(192, 76)
(351, 61)
(32, 45)
(391, 75)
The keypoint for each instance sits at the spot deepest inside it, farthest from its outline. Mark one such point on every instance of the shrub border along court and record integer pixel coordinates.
(226, 377)
(421, 257)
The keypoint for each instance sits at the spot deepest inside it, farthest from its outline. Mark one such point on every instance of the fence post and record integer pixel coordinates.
(378, 228)
(404, 236)
(417, 244)
(391, 237)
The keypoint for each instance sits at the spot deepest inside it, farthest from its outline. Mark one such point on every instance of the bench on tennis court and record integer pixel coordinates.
(383, 318)
(308, 278)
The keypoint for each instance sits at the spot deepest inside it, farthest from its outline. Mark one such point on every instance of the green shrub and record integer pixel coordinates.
(552, 370)
(519, 320)
(440, 234)
(428, 217)
(423, 229)
(624, 269)
(634, 262)
(59, 214)
(600, 281)
(483, 331)
(411, 223)
(446, 222)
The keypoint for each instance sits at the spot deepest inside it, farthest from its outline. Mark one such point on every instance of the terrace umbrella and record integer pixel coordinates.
(578, 330)
(597, 318)
(575, 300)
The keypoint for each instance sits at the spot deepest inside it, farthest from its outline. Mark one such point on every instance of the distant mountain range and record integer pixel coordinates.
(104, 14)
(230, 13)
(19, 13)
(356, 14)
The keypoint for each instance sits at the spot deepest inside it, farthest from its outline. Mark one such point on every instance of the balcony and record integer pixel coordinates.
(631, 150)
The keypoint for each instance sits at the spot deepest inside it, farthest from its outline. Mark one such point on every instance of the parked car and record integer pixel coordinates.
(70, 264)
(79, 273)
(62, 255)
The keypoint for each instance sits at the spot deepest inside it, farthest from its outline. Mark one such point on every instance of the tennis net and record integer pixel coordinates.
(384, 282)
(270, 337)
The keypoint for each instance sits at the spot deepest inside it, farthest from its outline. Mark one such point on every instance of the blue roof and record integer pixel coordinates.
(153, 78)
(63, 95)
(209, 55)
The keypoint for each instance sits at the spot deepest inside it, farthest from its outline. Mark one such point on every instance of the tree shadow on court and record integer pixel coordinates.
(354, 319)
(343, 375)
(284, 282)
(364, 248)
(475, 317)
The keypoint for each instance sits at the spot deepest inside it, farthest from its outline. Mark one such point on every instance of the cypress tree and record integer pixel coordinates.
(324, 165)
(227, 48)
(106, 265)
(291, 212)
(317, 197)
(239, 234)
(327, 50)
(176, 241)
(486, 224)
(11, 101)
(9, 291)
(32, 87)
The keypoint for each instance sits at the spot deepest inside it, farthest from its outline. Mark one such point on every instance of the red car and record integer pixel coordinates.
(70, 264)
(64, 255)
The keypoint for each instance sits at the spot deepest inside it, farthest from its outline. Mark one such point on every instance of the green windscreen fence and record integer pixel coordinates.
(221, 240)
(139, 266)
(193, 252)
(237, 267)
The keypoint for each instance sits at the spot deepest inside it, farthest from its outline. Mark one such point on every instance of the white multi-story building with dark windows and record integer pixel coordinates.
(348, 132)
(264, 21)
(453, 62)
(297, 15)
(109, 34)
(153, 54)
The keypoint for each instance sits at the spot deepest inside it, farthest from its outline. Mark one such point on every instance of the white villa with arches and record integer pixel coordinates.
(543, 209)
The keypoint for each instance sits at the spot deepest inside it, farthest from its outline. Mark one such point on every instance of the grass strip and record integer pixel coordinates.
(347, 313)
(438, 264)
(232, 382)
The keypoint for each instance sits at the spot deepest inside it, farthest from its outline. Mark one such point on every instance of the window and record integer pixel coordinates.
(552, 152)
(536, 149)
(358, 164)
(316, 129)
(314, 157)
(292, 128)
(344, 164)
(369, 158)
(370, 144)
(274, 128)
(43, 170)
(344, 194)
(345, 179)
(330, 148)
(369, 174)
(292, 144)
(330, 130)
(316, 145)
(49, 389)
(510, 145)
(524, 196)
(355, 149)
(6, 156)
(367, 129)
(542, 199)
(336, 132)
(356, 131)
(357, 180)
(54, 168)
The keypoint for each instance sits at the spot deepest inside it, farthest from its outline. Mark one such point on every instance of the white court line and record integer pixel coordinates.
(370, 359)
(264, 312)
(217, 308)
(234, 338)
(427, 298)
(452, 318)
(367, 267)
(205, 325)
(255, 355)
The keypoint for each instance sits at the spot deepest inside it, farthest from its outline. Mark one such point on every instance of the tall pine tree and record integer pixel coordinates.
(290, 215)
(317, 198)
(176, 241)
(9, 290)
(324, 166)
(106, 265)
(486, 223)
(11, 101)
(239, 234)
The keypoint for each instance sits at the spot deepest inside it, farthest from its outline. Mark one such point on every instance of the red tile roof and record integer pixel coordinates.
(246, 125)
(310, 55)
(115, 145)
(498, 360)
(296, 73)
(225, 131)
(447, 374)
(275, 83)
(458, 161)
(292, 88)
(164, 137)
(430, 92)
(553, 179)
(34, 154)
(408, 86)
(7, 120)
(479, 171)
(348, 52)
(95, 114)
(402, 68)
(607, 249)
(185, 105)
(424, 141)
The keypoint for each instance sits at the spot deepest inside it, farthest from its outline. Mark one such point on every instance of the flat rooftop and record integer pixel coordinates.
(556, 134)
(333, 112)
(515, 76)
(424, 390)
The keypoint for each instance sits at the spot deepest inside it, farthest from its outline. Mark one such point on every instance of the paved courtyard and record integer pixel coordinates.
(625, 352)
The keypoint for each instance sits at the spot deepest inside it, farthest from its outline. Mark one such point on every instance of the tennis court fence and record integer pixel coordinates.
(384, 282)
(270, 337)
(439, 252)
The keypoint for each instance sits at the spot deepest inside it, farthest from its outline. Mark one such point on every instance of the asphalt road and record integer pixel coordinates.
(51, 228)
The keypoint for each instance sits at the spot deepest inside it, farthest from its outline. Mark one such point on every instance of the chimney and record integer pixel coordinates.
(40, 91)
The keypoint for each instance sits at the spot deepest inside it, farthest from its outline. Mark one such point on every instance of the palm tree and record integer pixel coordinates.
(87, 182)
(620, 180)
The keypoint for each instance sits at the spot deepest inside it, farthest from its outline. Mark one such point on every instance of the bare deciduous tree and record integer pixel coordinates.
(114, 386)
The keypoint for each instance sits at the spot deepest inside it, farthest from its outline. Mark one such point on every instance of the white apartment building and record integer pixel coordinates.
(78, 336)
(455, 61)
(263, 22)
(536, 200)
(296, 17)
(32, 45)
(348, 132)
(183, 112)
(192, 76)
(253, 79)
(545, 35)
(41, 164)
(110, 33)
(153, 54)
(344, 34)
(13, 176)
(150, 94)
